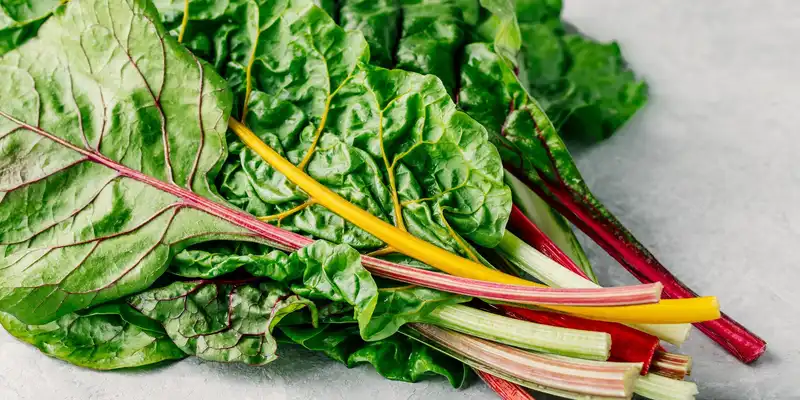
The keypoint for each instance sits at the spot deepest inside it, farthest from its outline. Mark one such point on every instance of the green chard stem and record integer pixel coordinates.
(560, 376)
(522, 334)
(657, 387)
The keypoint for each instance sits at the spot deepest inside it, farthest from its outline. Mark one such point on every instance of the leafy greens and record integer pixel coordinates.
(109, 336)
(105, 146)
(113, 142)
(125, 162)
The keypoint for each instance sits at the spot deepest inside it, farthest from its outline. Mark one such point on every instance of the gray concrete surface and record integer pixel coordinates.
(706, 176)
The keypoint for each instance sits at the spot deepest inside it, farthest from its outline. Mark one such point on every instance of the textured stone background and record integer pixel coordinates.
(706, 176)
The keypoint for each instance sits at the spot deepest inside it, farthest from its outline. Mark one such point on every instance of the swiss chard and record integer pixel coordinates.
(446, 127)
(532, 150)
(115, 170)
(390, 142)
(419, 36)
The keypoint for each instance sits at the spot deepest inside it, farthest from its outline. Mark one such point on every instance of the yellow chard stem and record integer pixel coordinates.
(401, 241)
(666, 311)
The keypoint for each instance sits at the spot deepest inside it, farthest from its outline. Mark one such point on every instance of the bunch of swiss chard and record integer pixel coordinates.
(215, 178)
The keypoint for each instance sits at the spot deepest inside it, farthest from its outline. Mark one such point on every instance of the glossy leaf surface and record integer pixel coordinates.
(110, 336)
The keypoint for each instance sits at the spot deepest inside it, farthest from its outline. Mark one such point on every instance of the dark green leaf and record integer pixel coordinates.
(323, 271)
(585, 86)
(602, 93)
(538, 11)
(379, 22)
(526, 138)
(320, 271)
(431, 38)
(396, 357)
(398, 306)
(197, 263)
(109, 336)
(222, 321)
(109, 132)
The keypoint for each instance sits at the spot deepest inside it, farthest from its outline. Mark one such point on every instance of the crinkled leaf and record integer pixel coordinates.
(583, 84)
(320, 271)
(222, 321)
(602, 92)
(335, 273)
(110, 336)
(384, 140)
(431, 37)
(422, 36)
(109, 132)
(379, 21)
(324, 271)
(396, 357)
(527, 140)
(204, 263)
(20, 19)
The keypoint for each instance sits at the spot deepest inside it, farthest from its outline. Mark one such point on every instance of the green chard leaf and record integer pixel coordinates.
(422, 36)
(333, 273)
(21, 19)
(110, 336)
(397, 306)
(504, 26)
(379, 22)
(585, 86)
(396, 357)
(602, 92)
(391, 142)
(109, 133)
(320, 271)
(222, 320)
(232, 320)
(528, 141)
(206, 264)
